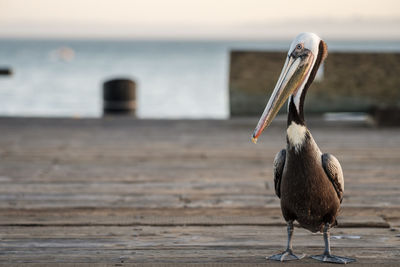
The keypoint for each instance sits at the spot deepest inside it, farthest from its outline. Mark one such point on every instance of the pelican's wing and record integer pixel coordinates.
(334, 171)
(279, 163)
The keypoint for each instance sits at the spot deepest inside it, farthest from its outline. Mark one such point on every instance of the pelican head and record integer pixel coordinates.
(306, 53)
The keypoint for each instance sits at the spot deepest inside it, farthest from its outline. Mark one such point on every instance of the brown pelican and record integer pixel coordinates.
(308, 183)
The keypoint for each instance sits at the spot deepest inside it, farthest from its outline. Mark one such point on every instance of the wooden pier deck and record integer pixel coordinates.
(119, 191)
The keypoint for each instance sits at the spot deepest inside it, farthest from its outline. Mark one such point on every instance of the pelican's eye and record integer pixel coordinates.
(299, 46)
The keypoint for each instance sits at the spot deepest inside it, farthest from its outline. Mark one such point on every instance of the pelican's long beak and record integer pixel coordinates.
(293, 74)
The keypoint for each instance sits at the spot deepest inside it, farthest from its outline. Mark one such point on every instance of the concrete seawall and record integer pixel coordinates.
(350, 82)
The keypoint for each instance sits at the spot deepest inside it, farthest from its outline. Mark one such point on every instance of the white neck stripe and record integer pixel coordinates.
(296, 135)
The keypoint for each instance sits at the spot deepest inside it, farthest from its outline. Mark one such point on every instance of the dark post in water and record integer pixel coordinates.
(119, 97)
(5, 71)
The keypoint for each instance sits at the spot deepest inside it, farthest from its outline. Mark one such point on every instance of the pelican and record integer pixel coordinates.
(309, 183)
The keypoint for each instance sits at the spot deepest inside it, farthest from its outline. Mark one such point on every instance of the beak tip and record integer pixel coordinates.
(254, 139)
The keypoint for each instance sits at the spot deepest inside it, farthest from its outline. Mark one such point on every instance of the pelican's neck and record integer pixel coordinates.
(295, 111)
(296, 101)
(297, 131)
(296, 128)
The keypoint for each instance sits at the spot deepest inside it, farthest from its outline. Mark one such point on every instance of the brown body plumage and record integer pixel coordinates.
(307, 194)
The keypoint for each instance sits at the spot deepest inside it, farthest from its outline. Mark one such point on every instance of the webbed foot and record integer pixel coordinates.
(287, 255)
(333, 259)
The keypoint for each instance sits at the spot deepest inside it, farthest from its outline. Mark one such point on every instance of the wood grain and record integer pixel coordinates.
(123, 191)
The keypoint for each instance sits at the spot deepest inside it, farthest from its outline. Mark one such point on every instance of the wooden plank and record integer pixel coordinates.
(215, 187)
(184, 244)
(133, 220)
(48, 200)
(86, 200)
(204, 256)
(126, 191)
(181, 236)
(81, 215)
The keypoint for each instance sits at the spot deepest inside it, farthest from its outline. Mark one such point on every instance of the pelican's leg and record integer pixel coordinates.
(327, 256)
(287, 255)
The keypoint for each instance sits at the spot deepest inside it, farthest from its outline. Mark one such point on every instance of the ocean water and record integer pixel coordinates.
(175, 79)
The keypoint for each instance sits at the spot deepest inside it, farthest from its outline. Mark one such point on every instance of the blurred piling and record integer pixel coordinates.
(5, 71)
(119, 97)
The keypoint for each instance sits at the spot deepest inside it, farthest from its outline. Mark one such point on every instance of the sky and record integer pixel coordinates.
(199, 19)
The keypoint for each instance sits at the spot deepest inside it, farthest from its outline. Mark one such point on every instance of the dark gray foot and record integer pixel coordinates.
(285, 256)
(333, 259)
